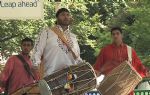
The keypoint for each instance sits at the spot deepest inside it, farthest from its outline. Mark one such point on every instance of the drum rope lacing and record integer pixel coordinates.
(116, 79)
(64, 74)
(69, 81)
(119, 77)
(72, 81)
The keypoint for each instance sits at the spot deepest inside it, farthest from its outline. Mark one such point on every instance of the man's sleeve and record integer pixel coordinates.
(79, 59)
(7, 71)
(39, 46)
(100, 60)
(136, 62)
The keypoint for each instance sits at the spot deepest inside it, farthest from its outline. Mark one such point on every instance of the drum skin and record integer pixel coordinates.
(120, 81)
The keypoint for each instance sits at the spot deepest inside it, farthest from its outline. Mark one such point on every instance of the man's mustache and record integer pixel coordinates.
(71, 19)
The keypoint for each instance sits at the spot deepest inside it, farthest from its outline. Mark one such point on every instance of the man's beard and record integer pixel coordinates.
(63, 23)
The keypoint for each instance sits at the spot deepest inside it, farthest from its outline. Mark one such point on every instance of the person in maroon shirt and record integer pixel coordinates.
(114, 54)
(14, 75)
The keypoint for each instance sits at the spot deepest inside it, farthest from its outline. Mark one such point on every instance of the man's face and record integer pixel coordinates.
(26, 47)
(116, 36)
(64, 18)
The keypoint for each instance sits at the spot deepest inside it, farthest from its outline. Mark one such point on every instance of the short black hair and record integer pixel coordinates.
(27, 40)
(61, 10)
(116, 28)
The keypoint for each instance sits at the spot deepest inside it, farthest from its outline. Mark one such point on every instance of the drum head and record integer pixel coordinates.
(44, 88)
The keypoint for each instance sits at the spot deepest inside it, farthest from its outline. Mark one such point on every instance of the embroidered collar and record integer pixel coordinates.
(62, 29)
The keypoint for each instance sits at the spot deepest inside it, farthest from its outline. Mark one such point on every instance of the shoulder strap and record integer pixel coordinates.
(41, 69)
(129, 50)
(26, 66)
(61, 36)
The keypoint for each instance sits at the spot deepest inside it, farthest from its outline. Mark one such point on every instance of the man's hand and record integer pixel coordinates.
(148, 74)
(35, 67)
(39, 69)
(97, 73)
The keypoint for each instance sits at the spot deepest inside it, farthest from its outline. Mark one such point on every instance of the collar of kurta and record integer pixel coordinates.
(62, 29)
(26, 56)
(121, 45)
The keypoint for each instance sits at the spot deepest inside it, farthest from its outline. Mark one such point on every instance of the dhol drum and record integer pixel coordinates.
(72, 80)
(120, 81)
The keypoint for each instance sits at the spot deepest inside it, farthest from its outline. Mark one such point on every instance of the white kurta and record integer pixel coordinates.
(55, 53)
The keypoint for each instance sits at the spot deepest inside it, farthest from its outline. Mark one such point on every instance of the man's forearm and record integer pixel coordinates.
(98, 73)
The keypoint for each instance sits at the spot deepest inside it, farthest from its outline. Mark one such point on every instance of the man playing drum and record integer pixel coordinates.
(54, 52)
(114, 54)
(15, 76)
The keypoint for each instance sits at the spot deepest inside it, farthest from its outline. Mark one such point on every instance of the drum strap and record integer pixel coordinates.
(64, 40)
(129, 50)
(41, 68)
(26, 66)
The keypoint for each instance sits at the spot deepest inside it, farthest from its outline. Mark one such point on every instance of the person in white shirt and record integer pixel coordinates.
(52, 50)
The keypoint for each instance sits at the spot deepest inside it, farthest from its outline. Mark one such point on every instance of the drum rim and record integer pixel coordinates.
(93, 72)
(45, 83)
